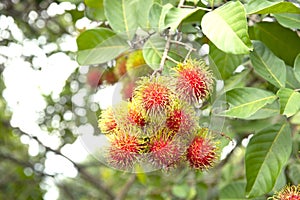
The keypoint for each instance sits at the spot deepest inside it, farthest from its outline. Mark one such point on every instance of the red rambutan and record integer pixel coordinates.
(194, 81)
(165, 151)
(154, 95)
(202, 152)
(287, 193)
(123, 152)
(136, 115)
(94, 78)
(182, 119)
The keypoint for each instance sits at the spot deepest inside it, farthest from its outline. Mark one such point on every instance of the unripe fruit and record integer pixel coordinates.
(107, 121)
(194, 81)
(123, 151)
(202, 152)
(120, 68)
(136, 65)
(287, 193)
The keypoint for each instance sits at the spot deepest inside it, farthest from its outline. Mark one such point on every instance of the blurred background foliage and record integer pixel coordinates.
(23, 176)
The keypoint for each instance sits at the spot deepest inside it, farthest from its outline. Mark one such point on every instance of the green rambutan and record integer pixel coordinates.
(107, 121)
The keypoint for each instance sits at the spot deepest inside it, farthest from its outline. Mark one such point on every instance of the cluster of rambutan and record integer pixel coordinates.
(159, 126)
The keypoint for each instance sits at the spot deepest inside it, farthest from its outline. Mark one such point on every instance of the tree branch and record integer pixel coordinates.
(122, 194)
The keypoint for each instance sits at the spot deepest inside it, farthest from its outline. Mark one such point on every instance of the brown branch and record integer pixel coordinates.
(122, 194)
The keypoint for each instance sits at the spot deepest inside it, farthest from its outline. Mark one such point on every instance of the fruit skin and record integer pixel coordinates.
(107, 121)
(182, 118)
(287, 193)
(94, 78)
(202, 151)
(120, 68)
(194, 81)
(155, 95)
(123, 152)
(136, 66)
(164, 150)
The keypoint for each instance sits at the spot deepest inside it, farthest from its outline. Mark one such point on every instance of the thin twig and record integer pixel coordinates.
(183, 44)
(200, 8)
(122, 194)
(171, 59)
(164, 57)
(187, 55)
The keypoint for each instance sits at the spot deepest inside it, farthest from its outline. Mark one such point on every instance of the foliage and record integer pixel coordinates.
(254, 53)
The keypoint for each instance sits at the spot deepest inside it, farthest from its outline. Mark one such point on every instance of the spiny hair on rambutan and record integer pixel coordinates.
(123, 152)
(194, 81)
(136, 114)
(135, 59)
(289, 192)
(182, 118)
(155, 94)
(203, 151)
(165, 151)
(107, 121)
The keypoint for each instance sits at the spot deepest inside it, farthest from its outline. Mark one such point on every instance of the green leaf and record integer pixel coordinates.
(267, 111)
(289, 101)
(181, 191)
(288, 20)
(121, 15)
(291, 80)
(157, 16)
(98, 46)
(142, 11)
(293, 173)
(267, 65)
(275, 37)
(153, 51)
(233, 191)
(95, 9)
(236, 80)
(227, 28)
(297, 67)
(244, 102)
(266, 154)
(225, 62)
(176, 15)
(266, 7)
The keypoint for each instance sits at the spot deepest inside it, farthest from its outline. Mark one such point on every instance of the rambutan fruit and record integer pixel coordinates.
(136, 65)
(155, 95)
(120, 68)
(109, 77)
(136, 115)
(202, 152)
(287, 193)
(194, 81)
(165, 151)
(123, 152)
(182, 118)
(107, 121)
(94, 78)
(128, 88)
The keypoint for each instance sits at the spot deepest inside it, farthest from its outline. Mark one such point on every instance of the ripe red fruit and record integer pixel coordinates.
(123, 151)
(128, 88)
(288, 193)
(202, 153)
(194, 81)
(164, 151)
(107, 121)
(94, 78)
(109, 77)
(154, 95)
(181, 119)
